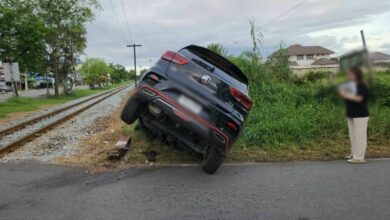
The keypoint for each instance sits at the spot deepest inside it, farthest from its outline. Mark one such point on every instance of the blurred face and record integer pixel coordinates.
(351, 76)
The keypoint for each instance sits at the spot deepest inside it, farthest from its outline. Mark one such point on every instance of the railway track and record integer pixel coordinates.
(52, 119)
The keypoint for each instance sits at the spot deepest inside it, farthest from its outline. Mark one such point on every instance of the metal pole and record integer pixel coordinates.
(363, 39)
(135, 65)
(135, 59)
(368, 59)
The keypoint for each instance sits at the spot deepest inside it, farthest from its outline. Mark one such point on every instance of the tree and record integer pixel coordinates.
(95, 71)
(73, 42)
(132, 74)
(22, 35)
(65, 21)
(143, 71)
(280, 64)
(44, 35)
(119, 73)
(219, 49)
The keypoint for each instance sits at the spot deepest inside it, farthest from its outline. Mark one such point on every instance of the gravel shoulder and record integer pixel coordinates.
(65, 140)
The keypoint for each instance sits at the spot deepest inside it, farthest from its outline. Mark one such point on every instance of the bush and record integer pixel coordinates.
(315, 76)
(284, 113)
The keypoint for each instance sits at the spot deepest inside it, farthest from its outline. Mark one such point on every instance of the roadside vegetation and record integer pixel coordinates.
(95, 72)
(304, 119)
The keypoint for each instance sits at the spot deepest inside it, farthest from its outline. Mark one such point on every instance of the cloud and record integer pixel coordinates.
(386, 46)
(170, 25)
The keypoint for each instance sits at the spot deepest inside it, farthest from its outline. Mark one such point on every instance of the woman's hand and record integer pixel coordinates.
(354, 98)
(341, 93)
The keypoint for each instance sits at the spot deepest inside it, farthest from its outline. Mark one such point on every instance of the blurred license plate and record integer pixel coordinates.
(189, 104)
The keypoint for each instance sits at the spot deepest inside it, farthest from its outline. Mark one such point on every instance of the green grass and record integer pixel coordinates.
(26, 104)
(307, 121)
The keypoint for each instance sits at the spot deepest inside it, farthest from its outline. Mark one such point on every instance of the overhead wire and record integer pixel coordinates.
(118, 23)
(127, 23)
(276, 18)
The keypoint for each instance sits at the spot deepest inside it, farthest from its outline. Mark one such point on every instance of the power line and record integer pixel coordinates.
(127, 23)
(277, 17)
(117, 21)
(284, 13)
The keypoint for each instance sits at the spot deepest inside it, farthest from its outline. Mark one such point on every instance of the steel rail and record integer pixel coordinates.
(34, 134)
(41, 117)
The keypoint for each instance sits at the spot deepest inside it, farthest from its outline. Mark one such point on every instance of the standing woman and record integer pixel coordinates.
(355, 96)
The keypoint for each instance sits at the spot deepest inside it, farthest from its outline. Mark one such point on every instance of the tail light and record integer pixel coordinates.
(232, 125)
(174, 57)
(151, 78)
(231, 128)
(241, 98)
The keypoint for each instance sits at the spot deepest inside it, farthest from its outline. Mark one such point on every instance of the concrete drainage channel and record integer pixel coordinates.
(14, 136)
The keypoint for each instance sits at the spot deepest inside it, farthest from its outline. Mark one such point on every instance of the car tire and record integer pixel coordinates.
(212, 161)
(132, 110)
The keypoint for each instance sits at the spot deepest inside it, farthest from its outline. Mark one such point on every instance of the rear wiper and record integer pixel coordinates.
(202, 64)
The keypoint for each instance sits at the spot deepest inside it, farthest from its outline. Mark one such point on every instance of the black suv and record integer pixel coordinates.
(195, 98)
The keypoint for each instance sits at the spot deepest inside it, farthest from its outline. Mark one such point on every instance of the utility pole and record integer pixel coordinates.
(368, 59)
(135, 59)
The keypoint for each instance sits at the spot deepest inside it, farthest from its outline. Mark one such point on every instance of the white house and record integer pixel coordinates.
(379, 57)
(380, 61)
(308, 58)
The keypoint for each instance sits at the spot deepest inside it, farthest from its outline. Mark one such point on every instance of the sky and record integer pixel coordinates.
(173, 24)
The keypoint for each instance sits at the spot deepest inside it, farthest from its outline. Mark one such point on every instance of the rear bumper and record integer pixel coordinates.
(185, 118)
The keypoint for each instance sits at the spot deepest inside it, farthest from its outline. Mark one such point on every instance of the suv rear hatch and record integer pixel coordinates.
(212, 77)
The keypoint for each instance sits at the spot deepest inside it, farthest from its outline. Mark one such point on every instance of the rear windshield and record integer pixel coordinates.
(220, 62)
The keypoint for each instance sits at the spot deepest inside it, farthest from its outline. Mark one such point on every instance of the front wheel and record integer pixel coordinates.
(212, 161)
(132, 110)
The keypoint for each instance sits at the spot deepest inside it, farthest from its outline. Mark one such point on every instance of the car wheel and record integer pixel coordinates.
(132, 110)
(212, 160)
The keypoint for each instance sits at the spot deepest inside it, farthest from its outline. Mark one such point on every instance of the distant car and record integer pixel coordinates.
(38, 80)
(194, 98)
(5, 88)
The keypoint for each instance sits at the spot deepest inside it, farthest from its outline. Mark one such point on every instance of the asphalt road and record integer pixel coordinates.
(313, 190)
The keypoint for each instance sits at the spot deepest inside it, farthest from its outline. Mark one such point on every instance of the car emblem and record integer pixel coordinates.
(206, 79)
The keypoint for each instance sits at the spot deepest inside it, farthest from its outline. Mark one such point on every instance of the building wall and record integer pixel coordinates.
(382, 61)
(306, 61)
(304, 70)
